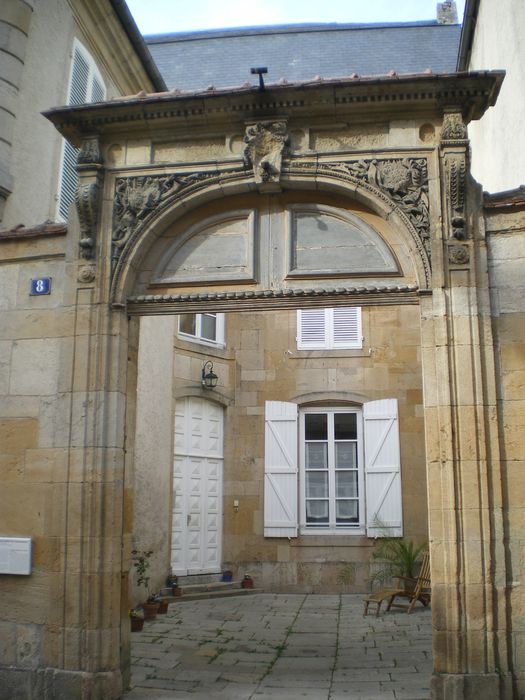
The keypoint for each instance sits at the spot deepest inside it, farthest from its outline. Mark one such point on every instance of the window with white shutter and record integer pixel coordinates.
(329, 329)
(349, 475)
(85, 85)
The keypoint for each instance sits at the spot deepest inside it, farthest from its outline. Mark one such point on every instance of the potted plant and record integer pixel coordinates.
(137, 619)
(396, 557)
(247, 581)
(172, 581)
(162, 603)
(141, 563)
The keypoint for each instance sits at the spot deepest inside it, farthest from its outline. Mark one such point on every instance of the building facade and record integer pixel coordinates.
(368, 364)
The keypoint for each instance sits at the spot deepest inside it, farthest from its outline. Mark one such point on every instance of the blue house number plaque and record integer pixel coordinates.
(41, 285)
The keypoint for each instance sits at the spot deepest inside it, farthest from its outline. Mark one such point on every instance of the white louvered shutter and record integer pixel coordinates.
(85, 86)
(312, 331)
(280, 470)
(347, 327)
(382, 469)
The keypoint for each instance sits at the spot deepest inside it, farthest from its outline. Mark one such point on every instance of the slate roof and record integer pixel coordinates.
(195, 60)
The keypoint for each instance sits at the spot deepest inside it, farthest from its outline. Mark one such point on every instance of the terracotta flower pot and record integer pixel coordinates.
(163, 607)
(137, 623)
(247, 582)
(150, 610)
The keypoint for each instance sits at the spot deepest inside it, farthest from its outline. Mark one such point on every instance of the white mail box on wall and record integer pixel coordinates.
(15, 555)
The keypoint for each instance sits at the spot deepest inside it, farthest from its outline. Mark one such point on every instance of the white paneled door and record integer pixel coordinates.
(197, 487)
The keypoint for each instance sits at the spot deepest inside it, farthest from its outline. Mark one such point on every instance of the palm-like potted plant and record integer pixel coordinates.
(396, 557)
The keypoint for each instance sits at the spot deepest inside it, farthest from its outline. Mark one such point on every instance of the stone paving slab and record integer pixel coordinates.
(289, 647)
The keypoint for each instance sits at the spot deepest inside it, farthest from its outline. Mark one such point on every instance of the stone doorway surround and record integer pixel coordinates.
(400, 150)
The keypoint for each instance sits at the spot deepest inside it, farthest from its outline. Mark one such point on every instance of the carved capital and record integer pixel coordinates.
(266, 143)
(89, 153)
(454, 128)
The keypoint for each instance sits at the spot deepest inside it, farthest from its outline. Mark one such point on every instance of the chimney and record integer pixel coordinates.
(447, 12)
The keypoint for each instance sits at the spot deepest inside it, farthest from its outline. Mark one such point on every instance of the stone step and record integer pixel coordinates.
(209, 594)
(192, 579)
(211, 586)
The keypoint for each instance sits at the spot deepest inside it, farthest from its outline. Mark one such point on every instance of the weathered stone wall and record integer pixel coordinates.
(506, 247)
(262, 363)
(34, 409)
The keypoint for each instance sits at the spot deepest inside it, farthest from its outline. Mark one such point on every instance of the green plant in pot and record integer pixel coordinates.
(396, 557)
(141, 562)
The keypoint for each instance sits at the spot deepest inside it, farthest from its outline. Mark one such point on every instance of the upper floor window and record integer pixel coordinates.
(204, 328)
(85, 85)
(329, 329)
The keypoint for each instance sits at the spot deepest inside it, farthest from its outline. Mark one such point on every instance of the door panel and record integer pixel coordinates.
(197, 501)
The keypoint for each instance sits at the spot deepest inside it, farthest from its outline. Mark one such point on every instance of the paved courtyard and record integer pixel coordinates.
(282, 647)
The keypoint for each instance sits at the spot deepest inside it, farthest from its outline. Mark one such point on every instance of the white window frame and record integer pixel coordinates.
(326, 333)
(219, 341)
(332, 528)
(67, 180)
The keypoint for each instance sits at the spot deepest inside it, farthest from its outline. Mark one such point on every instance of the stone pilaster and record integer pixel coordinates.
(464, 484)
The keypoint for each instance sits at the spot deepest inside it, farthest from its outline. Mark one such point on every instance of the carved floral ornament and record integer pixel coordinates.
(458, 255)
(401, 182)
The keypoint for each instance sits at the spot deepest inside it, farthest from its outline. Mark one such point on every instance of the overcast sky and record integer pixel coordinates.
(159, 16)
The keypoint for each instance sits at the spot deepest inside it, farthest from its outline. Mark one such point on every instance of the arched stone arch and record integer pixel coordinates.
(146, 205)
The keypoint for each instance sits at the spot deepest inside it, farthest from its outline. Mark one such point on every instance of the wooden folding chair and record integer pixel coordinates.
(420, 590)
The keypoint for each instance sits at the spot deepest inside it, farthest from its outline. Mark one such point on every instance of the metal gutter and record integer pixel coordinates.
(135, 37)
(470, 17)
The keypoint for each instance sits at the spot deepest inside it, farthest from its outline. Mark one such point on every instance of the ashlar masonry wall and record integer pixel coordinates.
(262, 363)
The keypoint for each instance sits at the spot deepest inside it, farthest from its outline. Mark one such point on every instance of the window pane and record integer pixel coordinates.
(346, 455)
(345, 426)
(208, 326)
(317, 512)
(346, 485)
(316, 426)
(347, 512)
(316, 455)
(187, 323)
(317, 485)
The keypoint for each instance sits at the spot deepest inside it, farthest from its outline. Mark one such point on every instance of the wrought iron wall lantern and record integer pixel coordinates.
(208, 377)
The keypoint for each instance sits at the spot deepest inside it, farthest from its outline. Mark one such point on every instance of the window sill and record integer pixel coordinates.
(341, 539)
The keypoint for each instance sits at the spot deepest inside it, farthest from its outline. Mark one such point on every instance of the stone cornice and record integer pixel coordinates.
(247, 300)
(467, 93)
